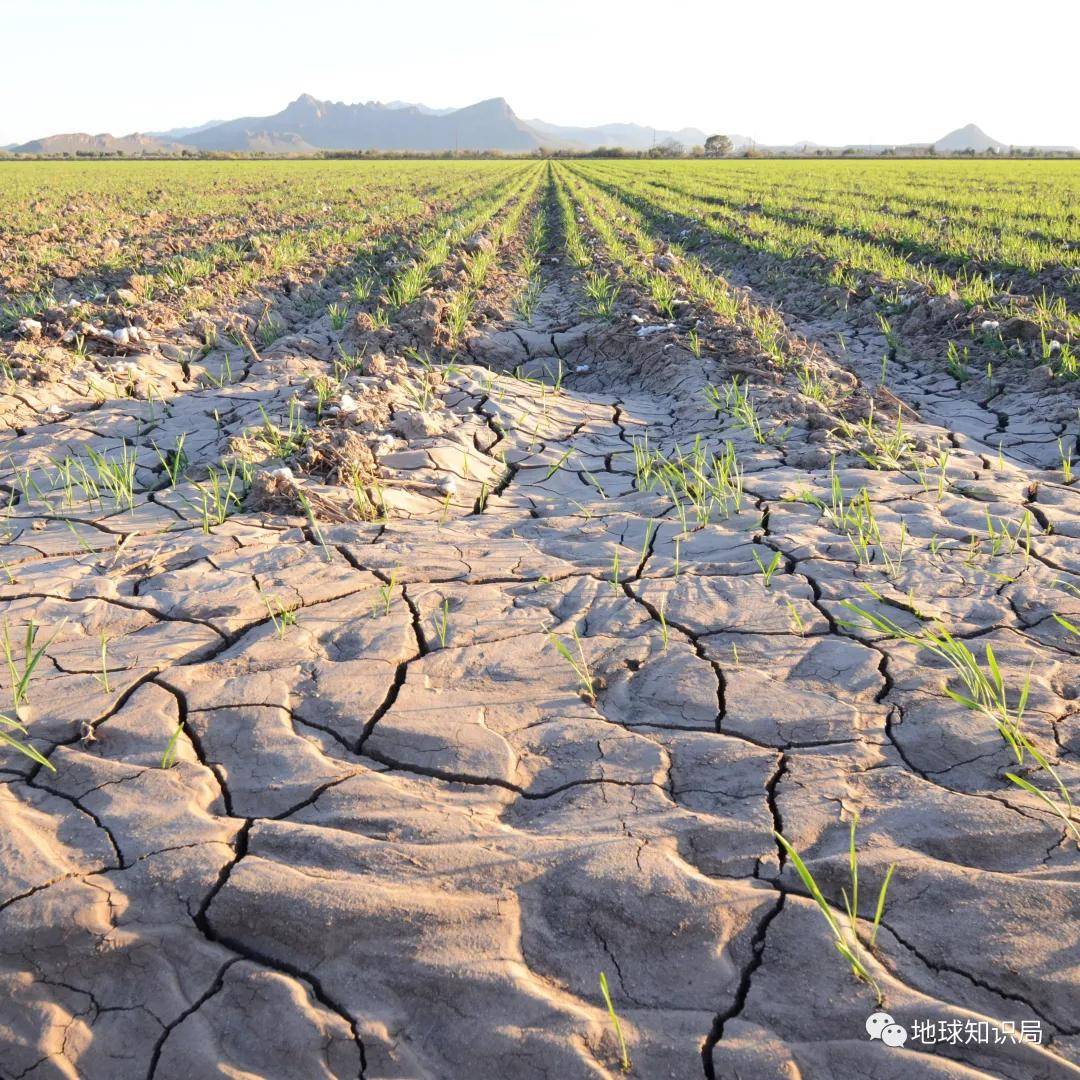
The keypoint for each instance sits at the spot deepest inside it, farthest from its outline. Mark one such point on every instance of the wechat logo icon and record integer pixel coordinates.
(882, 1026)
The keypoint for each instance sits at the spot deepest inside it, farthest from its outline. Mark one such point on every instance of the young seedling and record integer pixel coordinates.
(324, 388)
(173, 461)
(219, 497)
(957, 362)
(442, 621)
(10, 735)
(281, 616)
(21, 671)
(846, 939)
(458, 312)
(624, 1055)
(602, 291)
(984, 693)
(103, 678)
(168, 758)
(362, 287)
(1065, 814)
(339, 315)
(386, 593)
(579, 664)
(1066, 463)
(558, 464)
(768, 571)
(78, 538)
(314, 526)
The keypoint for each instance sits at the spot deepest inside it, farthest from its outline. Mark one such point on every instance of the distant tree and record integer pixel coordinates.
(717, 146)
(697, 151)
(669, 148)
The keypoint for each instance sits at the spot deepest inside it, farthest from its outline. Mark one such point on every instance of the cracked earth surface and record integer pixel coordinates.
(399, 840)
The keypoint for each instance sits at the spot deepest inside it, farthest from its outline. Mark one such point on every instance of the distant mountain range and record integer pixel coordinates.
(307, 125)
(180, 132)
(628, 136)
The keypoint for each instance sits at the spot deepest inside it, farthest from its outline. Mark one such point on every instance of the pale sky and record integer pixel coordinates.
(832, 71)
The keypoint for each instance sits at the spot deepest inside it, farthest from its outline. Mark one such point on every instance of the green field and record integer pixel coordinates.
(1000, 239)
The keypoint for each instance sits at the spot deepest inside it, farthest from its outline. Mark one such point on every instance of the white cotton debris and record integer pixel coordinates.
(1054, 346)
(638, 319)
(989, 324)
(126, 335)
(28, 327)
(54, 410)
(282, 473)
(646, 331)
(126, 368)
(384, 444)
(448, 485)
(348, 404)
(582, 369)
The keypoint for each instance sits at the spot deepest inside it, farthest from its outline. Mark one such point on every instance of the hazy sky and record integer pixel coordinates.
(832, 71)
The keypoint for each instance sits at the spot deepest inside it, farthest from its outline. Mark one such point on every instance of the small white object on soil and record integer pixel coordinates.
(646, 331)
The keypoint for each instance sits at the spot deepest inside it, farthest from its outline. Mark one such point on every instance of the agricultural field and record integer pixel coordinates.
(540, 619)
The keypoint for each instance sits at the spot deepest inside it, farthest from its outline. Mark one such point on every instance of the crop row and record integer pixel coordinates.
(840, 245)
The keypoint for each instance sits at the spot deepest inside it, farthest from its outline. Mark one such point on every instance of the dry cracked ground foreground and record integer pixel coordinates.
(403, 834)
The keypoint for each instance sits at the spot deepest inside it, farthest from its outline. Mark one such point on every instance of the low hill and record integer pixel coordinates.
(970, 137)
(77, 142)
